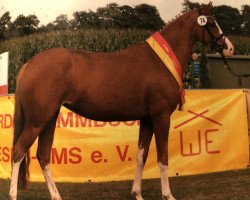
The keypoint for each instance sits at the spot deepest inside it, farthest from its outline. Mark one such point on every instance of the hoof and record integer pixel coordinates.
(56, 198)
(168, 197)
(137, 195)
(12, 197)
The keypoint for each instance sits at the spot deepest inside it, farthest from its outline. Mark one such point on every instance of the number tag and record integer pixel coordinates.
(202, 20)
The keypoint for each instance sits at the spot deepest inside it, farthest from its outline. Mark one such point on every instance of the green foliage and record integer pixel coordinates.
(229, 19)
(61, 22)
(148, 17)
(4, 24)
(142, 16)
(246, 19)
(241, 44)
(188, 5)
(24, 25)
(85, 19)
(22, 49)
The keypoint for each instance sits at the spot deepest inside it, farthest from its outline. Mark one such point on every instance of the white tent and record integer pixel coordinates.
(4, 64)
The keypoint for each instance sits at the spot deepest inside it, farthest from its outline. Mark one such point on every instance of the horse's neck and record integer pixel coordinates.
(180, 38)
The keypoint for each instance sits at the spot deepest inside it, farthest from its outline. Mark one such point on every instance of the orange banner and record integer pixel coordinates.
(210, 135)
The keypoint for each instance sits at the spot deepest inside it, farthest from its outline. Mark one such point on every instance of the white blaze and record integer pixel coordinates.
(230, 48)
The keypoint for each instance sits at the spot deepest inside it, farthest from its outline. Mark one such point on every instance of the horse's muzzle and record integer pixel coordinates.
(228, 51)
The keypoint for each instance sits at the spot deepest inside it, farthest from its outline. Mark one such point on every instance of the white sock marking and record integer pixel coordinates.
(51, 184)
(230, 48)
(166, 193)
(14, 180)
(136, 189)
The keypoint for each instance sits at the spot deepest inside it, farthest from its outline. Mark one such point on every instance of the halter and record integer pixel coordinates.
(202, 21)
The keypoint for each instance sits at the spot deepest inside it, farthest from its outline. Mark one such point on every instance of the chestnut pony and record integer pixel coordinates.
(132, 84)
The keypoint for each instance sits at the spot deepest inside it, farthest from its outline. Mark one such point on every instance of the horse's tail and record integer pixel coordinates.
(23, 176)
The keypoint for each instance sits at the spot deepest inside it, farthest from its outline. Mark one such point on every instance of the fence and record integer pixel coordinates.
(221, 78)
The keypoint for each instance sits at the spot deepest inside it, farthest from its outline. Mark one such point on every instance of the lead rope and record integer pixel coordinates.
(226, 65)
(219, 47)
(224, 59)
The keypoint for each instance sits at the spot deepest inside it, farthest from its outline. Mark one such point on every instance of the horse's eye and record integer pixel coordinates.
(212, 23)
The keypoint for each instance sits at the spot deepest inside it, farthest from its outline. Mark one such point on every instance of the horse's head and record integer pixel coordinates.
(209, 32)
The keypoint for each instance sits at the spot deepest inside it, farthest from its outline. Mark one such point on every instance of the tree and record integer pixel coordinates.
(61, 22)
(142, 16)
(126, 18)
(188, 5)
(229, 19)
(85, 19)
(108, 15)
(4, 25)
(148, 17)
(24, 25)
(246, 19)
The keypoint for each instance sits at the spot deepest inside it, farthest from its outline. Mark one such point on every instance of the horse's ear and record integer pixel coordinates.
(206, 9)
(210, 5)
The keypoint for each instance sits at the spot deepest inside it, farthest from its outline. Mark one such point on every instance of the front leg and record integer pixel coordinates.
(166, 193)
(145, 137)
(161, 126)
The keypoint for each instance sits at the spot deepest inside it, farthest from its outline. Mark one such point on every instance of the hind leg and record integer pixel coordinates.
(14, 180)
(45, 142)
(145, 137)
(161, 129)
(21, 148)
(36, 118)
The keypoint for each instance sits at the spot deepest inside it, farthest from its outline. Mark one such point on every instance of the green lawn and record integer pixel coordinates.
(233, 185)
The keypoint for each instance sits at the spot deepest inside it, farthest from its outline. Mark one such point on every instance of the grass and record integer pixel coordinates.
(233, 185)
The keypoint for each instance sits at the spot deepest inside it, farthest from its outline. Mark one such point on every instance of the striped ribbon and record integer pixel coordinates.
(166, 54)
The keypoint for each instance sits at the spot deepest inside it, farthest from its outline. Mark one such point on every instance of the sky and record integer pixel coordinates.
(48, 10)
